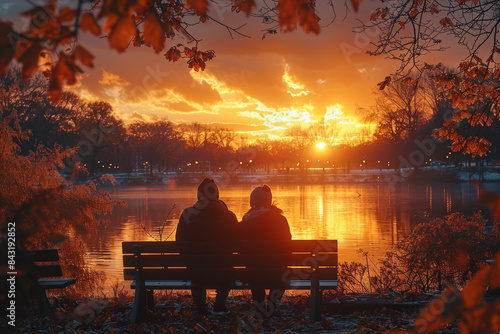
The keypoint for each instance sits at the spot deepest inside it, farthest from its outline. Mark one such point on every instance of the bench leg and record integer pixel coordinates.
(151, 299)
(140, 311)
(315, 305)
(43, 304)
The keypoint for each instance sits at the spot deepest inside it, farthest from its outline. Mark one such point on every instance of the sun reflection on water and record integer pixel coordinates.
(368, 216)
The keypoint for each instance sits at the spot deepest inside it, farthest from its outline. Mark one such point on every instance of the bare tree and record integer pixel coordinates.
(222, 137)
(411, 29)
(155, 143)
(324, 131)
(97, 123)
(399, 112)
(195, 134)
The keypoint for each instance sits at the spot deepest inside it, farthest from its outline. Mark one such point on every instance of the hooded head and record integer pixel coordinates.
(208, 190)
(261, 196)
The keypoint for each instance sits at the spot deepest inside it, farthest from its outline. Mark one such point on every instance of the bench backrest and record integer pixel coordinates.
(42, 269)
(235, 260)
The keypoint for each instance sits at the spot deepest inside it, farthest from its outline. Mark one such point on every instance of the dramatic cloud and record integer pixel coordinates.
(112, 79)
(296, 88)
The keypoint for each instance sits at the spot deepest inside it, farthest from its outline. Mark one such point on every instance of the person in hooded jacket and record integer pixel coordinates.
(264, 221)
(208, 219)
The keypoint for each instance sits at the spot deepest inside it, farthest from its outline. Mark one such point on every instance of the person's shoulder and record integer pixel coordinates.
(188, 212)
(275, 211)
(222, 204)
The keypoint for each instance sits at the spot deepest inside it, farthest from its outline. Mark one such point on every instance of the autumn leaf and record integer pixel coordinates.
(384, 83)
(384, 13)
(288, 13)
(402, 24)
(414, 12)
(446, 22)
(208, 55)
(439, 312)
(243, 5)
(88, 23)
(84, 56)
(434, 8)
(474, 292)
(464, 66)
(122, 32)
(355, 4)
(63, 72)
(291, 12)
(375, 15)
(7, 46)
(173, 54)
(29, 58)
(137, 39)
(154, 35)
(67, 14)
(491, 200)
(199, 6)
(190, 52)
(495, 270)
(309, 21)
(196, 64)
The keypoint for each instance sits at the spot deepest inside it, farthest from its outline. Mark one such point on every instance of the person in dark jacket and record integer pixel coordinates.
(264, 221)
(208, 219)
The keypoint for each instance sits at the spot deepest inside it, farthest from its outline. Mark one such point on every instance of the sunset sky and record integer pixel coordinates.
(253, 85)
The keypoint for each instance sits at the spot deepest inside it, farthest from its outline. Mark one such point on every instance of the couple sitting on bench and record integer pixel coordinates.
(209, 219)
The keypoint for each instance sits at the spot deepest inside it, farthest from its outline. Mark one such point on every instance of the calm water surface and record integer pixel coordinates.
(372, 217)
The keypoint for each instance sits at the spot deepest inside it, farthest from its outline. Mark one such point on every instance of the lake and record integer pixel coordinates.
(372, 217)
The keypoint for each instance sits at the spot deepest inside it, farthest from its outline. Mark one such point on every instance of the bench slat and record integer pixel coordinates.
(56, 283)
(230, 260)
(48, 270)
(232, 274)
(249, 247)
(185, 285)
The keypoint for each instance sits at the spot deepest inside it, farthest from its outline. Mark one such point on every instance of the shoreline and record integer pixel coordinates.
(402, 176)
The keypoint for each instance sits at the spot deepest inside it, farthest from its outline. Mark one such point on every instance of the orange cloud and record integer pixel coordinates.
(110, 79)
(296, 88)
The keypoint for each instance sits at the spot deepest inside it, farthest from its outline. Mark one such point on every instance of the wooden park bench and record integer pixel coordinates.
(298, 264)
(44, 267)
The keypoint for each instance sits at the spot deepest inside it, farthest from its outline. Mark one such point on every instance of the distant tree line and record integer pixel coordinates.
(400, 133)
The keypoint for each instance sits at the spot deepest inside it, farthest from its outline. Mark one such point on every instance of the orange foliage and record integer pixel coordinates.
(476, 314)
(474, 95)
(199, 6)
(355, 4)
(243, 5)
(293, 12)
(140, 22)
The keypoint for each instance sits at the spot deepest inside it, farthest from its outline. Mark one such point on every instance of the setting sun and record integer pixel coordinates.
(321, 145)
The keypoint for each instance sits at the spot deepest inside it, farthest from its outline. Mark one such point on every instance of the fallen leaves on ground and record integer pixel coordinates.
(174, 313)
